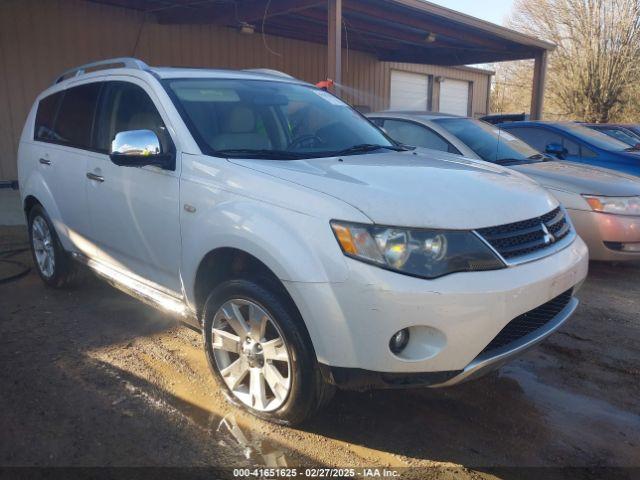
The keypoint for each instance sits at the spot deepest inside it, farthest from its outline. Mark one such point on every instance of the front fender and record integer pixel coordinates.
(295, 246)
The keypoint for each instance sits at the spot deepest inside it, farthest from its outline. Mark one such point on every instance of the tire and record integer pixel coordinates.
(288, 399)
(61, 271)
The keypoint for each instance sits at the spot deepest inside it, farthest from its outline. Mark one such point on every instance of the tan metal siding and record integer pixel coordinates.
(41, 38)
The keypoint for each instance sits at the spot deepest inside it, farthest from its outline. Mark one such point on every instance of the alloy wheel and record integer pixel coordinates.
(251, 354)
(43, 246)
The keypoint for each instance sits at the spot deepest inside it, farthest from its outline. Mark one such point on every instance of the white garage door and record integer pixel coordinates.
(409, 91)
(454, 97)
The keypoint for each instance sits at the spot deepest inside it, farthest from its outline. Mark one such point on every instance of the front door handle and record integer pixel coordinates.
(45, 161)
(96, 177)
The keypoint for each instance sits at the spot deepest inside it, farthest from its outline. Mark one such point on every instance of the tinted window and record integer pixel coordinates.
(538, 138)
(488, 141)
(46, 116)
(411, 133)
(74, 122)
(269, 119)
(125, 107)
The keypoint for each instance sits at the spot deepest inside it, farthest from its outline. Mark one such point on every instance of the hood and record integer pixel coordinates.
(417, 189)
(581, 179)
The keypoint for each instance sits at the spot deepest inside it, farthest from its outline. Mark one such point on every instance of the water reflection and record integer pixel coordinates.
(254, 447)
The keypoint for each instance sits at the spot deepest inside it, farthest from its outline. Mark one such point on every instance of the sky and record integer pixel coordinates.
(491, 10)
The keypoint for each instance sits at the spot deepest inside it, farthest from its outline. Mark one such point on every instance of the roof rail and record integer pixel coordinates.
(119, 62)
(268, 71)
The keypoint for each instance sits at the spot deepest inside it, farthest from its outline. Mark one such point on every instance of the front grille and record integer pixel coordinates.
(528, 236)
(529, 322)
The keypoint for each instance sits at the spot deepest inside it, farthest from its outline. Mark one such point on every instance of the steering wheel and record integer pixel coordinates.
(308, 140)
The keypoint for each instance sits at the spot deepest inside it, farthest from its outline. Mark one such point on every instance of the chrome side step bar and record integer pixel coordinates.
(157, 297)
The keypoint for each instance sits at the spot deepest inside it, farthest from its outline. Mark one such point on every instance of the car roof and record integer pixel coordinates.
(533, 123)
(168, 73)
(424, 114)
(222, 73)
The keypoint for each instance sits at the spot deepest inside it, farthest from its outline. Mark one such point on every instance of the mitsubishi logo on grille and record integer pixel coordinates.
(548, 237)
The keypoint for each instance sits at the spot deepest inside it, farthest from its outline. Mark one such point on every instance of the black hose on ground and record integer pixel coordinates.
(23, 269)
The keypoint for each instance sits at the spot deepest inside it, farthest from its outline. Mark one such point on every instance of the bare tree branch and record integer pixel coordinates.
(594, 72)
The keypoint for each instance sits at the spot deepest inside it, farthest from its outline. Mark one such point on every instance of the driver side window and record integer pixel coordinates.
(538, 138)
(125, 107)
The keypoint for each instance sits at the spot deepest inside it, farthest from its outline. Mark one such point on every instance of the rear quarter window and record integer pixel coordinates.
(46, 116)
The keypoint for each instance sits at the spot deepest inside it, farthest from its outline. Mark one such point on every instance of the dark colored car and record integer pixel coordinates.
(577, 143)
(619, 132)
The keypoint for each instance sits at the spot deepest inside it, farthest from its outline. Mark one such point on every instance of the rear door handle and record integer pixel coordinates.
(45, 161)
(96, 177)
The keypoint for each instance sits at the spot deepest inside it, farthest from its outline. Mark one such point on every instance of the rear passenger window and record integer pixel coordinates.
(75, 117)
(46, 116)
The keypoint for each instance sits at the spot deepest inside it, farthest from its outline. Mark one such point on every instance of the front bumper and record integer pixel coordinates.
(358, 379)
(598, 229)
(493, 360)
(350, 323)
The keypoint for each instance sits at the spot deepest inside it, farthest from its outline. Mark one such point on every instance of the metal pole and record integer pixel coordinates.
(334, 41)
(539, 79)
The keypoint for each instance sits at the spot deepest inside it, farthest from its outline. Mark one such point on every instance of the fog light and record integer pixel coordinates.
(631, 247)
(624, 247)
(399, 341)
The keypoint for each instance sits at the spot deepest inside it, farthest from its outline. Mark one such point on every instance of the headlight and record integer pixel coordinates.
(617, 205)
(418, 252)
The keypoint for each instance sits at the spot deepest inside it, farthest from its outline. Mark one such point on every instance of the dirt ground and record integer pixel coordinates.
(91, 377)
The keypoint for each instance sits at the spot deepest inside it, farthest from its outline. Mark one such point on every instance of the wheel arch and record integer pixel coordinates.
(227, 263)
(29, 202)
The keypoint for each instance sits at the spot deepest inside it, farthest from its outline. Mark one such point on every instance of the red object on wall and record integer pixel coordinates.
(325, 84)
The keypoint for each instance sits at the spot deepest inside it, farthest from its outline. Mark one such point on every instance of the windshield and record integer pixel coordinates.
(597, 139)
(627, 138)
(271, 119)
(489, 142)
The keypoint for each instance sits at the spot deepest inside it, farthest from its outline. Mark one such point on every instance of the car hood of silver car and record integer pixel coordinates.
(581, 179)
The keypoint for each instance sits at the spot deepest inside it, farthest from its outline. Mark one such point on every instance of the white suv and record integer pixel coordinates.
(310, 249)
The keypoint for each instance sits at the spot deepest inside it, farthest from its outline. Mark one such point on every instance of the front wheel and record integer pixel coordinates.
(261, 354)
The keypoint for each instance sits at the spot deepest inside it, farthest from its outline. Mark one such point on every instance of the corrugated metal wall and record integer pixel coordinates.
(41, 38)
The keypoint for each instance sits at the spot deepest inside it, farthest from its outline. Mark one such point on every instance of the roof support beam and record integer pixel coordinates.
(390, 15)
(539, 79)
(334, 40)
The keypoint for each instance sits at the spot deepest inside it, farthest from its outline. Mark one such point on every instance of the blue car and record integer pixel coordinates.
(576, 143)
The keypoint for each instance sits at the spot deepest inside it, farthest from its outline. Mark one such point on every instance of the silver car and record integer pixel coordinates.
(604, 205)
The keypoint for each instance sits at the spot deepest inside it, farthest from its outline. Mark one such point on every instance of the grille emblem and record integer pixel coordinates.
(548, 236)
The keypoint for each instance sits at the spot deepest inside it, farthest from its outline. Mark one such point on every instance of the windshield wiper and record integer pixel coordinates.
(509, 161)
(367, 147)
(263, 153)
(515, 161)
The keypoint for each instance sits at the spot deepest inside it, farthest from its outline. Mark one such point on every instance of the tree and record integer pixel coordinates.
(595, 69)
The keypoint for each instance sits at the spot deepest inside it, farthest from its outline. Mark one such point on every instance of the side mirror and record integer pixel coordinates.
(137, 148)
(556, 149)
